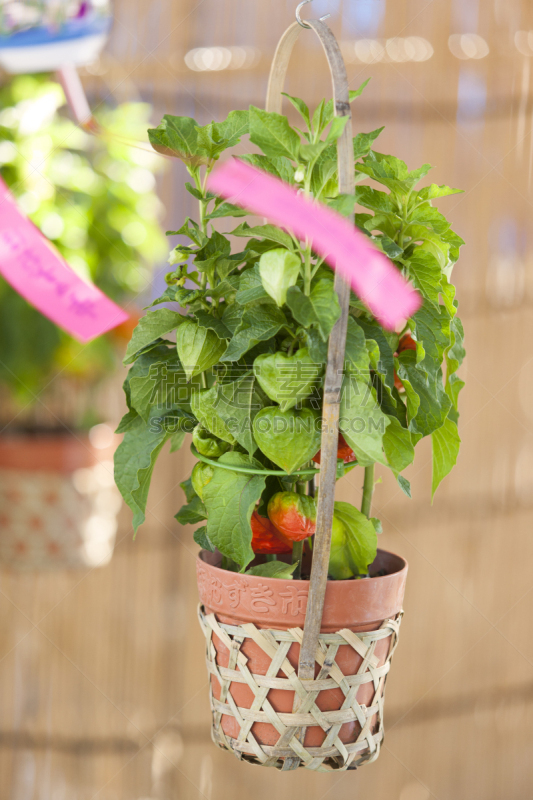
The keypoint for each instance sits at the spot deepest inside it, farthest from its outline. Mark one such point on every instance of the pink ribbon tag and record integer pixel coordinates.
(374, 279)
(41, 275)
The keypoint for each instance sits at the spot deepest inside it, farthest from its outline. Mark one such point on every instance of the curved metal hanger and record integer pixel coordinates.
(300, 20)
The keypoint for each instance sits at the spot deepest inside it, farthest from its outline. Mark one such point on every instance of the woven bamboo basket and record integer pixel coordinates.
(302, 695)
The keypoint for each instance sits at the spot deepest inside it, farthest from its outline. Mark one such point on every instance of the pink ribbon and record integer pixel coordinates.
(41, 275)
(374, 279)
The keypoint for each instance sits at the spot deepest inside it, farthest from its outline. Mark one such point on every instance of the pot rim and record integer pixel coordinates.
(330, 582)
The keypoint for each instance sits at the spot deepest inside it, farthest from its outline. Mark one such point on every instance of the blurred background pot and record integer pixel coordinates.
(58, 502)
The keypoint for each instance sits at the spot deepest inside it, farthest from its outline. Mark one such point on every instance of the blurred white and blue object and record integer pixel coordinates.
(42, 36)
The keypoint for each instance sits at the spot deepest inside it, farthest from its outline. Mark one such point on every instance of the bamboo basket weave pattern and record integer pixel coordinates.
(333, 753)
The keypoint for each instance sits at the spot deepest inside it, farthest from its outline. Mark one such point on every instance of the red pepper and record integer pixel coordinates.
(406, 343)
(293, 514)
(344, 451)
(265, 539)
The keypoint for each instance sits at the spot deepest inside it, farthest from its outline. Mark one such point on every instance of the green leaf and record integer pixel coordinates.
(288, 438)
(445, 444)
(188, 488)
(195, 511)
(258, 325)
(337, 127)
(380, 202)
(321, 308)
(318, 122)
(387, 170)
(251, 287)
(176, 136)
(157, 379)
(230, 498)
(273, 134)
(161, 386)
(362, 422)
(232, 317)
(432, 242)
(361, 539)
(404, 485)
(326, 305)
(233, 127)
(269, 232)
(318, 349)
(198, 347)
(448, 295)
(378, 527)
(192, 230)
(204, 407)
(425, 271)
(237, 404)
(301, 307)
(287, 379)
(149, 328)
(279, 167)
(127, 421)
(390, 248)
(310, 153)
(279, 270)
(227, 210)
(433, 191)
(207, 320)
(202, 539)
(168, 296)
(343, 204)
(431, 218)
(374, 331)
(432, 330)
(363, 142)
(324, 177)
(454, 355)
(356, 354)
(135, 458)
(434, 404)
(417, 174)
(398, 446)
(300, 106)
(273, 569)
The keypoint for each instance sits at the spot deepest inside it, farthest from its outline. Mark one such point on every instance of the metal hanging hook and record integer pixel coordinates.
(300, 20)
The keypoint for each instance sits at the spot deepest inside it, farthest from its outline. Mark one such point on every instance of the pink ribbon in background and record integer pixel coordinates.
(374, 279)
(36, 270)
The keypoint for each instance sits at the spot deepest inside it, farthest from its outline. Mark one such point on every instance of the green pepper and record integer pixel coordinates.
(207, 444)
(200, 477)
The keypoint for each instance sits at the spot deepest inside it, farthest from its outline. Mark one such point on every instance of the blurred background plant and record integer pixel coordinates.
(94, 198)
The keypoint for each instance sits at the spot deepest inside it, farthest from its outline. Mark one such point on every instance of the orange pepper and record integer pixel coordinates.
(264, 537)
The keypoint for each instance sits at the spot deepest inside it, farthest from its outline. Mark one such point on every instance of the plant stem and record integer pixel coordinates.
(298, 547)
(271, 557)
(307, 272)
(297, 555)
(368, 490)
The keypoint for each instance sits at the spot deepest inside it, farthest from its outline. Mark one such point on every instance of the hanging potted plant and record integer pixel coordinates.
(94, 200)
(300, 609)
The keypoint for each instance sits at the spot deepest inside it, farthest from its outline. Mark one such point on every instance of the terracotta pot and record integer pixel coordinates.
(356, 605)
(58, 502)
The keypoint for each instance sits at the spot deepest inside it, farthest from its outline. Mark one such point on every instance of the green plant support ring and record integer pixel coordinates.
(341, 468)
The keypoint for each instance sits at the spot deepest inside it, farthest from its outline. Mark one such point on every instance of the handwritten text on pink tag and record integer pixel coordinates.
(372, 276)
(41, 275)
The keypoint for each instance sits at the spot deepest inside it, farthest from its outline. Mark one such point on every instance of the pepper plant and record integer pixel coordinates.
(245, 373)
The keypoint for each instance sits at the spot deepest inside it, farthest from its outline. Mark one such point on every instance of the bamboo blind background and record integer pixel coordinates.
(99, 700)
